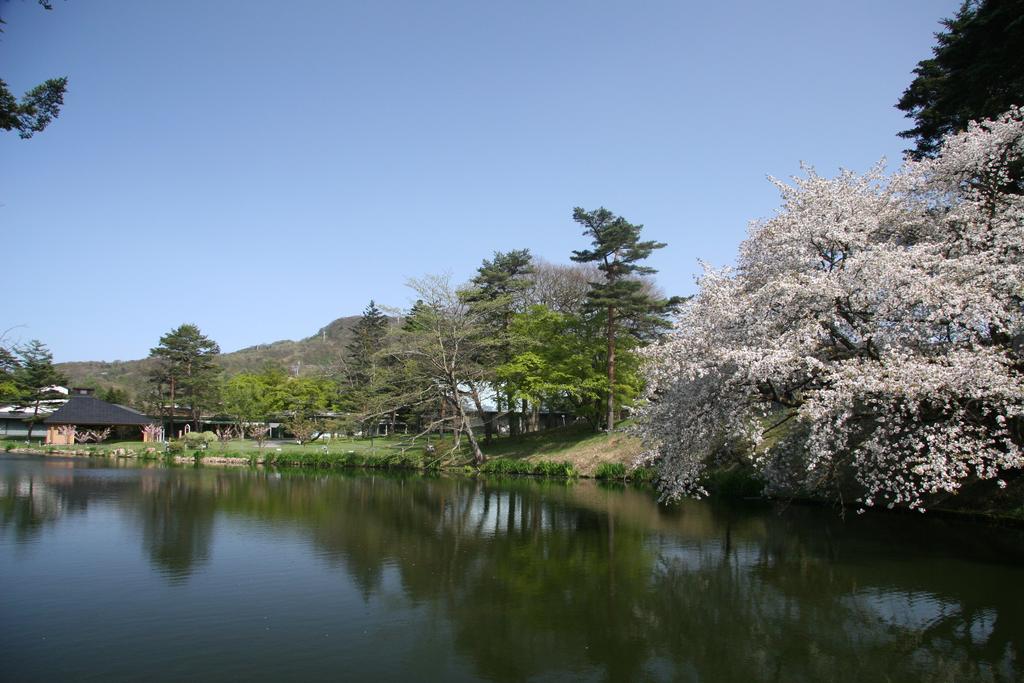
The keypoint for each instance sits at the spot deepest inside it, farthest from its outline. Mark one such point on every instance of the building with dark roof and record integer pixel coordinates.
(92, 413)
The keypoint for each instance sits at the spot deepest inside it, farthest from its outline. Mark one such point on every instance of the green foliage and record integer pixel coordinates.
(149, 454)
(33, 378)
(365, 347)
(185, 369)
(544, 468)
(322, 457)
(304, 429)
(36, 110)
(308, 396)
(8, 366)
(976, 72)
(610, 470)
(617, 250)
(176, 447)
(734, 482)
(642, 474)
(257, 397)
(503, 279)
(38, 107)
(272, 457)
(254, 397)
(552, 359)
(507, 467)
(549, 468)
(35, 374)
(495, 295)
(115, 395)
(625, 301)
(199, 440)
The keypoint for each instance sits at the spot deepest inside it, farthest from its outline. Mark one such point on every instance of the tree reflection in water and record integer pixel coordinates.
(177, 517)
(535, 578)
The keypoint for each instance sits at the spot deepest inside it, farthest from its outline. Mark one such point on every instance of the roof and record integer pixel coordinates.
(20, 411)
(89, 410)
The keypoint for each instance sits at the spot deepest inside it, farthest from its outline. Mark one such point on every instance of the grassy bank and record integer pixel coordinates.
(563, 452)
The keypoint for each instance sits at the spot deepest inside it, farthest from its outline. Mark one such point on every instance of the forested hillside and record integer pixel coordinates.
(321, 352)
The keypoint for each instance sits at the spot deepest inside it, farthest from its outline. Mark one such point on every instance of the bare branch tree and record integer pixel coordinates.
(437, 351)
(93, 435)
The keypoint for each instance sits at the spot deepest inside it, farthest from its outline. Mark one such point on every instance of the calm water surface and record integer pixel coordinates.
(116, 572)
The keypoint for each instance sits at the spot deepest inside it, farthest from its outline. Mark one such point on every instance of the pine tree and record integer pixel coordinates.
(622, 298)
(38, 107)
(976, 72)
(115, 395)
(8, 365)
(364, 363)
(367, 340)
(186, 368)
(497, 293)
(35, 377)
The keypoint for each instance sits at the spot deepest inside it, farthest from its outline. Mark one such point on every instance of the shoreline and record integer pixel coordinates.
(974, 516)
(383, 463)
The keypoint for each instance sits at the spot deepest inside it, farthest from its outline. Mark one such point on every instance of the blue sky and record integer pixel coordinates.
(262, 168)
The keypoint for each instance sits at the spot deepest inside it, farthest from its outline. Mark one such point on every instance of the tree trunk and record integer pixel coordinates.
(440, 424)
(171, 435)
(488, 428)
(32, 422)
(478, 456)
(611, 368)
(513, 423)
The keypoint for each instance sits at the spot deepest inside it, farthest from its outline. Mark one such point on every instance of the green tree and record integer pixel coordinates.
(35, 377)
(552, 361)
(37, 107)
(186, 369)
(305, 399)
(308, 397)
(622, 298)
(254, 397)
(367, 340)
(497, 293)
(8, 365)
(115, 395)
(365, 377)
(976, 72)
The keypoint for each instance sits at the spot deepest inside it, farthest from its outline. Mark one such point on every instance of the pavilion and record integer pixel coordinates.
(89, 412)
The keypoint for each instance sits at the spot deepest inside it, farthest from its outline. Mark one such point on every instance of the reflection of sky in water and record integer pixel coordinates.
(905, 609)
(920, 611)
(697, 555)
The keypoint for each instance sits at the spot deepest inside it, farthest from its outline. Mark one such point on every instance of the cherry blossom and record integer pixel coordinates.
(871, 331)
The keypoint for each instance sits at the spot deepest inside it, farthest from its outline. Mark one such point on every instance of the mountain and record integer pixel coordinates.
(323, 352)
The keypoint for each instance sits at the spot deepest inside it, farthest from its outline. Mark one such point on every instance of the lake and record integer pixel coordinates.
(115, 571)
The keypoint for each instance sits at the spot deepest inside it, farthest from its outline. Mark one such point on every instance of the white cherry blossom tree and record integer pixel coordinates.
(871, 332)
